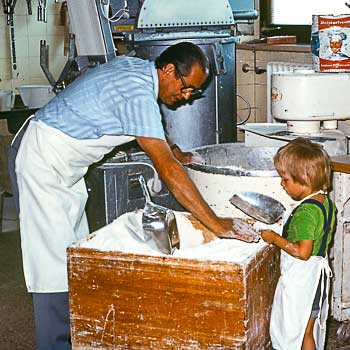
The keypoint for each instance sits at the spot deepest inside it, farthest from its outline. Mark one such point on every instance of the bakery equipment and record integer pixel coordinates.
(305, 98)
(303, 103)
(259, 206)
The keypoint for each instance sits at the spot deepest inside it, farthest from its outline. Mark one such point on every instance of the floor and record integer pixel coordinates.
(16, 319)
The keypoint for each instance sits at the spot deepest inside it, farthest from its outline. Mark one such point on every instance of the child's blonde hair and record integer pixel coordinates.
(307, 163)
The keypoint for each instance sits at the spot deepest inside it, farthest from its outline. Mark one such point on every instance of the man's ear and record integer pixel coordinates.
(169, 68)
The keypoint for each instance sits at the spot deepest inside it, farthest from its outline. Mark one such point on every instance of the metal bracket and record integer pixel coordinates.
(218, 59)
(67, 72)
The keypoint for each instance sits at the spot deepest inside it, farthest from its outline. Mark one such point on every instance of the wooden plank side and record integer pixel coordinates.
(261, 278)
(136, 302)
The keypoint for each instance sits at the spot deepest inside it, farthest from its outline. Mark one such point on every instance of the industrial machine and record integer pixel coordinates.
(304, 103)
(319, 98)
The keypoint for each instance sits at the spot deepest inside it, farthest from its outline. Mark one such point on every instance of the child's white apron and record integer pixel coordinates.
(50, 167)
(294, 297)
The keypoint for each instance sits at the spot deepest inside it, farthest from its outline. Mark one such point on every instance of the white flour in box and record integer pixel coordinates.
(330, 43)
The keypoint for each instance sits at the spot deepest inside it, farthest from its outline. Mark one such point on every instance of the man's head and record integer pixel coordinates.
(182, 69)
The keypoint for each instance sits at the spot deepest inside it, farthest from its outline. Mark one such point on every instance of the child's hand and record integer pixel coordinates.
(268, 236)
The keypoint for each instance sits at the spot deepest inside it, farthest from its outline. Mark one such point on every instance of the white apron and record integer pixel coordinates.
(293, 300)
(50, 167)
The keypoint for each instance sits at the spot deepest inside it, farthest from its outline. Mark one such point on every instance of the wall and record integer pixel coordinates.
(252, 86)
(28, 33)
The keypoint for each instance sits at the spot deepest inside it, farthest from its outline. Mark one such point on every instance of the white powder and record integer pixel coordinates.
(117, 236)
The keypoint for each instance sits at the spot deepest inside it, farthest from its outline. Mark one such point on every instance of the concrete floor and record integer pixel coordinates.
(16, 317)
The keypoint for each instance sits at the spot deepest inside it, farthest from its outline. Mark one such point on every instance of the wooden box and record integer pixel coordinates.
(128, 301)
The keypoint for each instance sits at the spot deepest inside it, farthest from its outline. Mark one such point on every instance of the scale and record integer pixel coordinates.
(305, 103)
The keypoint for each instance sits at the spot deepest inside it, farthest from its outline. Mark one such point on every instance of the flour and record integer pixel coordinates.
(117, 236)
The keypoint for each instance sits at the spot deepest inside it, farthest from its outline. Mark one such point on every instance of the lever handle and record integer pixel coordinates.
(247, 68)
(144, 189)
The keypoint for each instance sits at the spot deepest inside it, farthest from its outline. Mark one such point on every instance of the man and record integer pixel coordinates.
(112, 104)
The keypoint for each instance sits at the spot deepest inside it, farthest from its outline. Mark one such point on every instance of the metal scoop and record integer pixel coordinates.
(259, 206)
(159, 223)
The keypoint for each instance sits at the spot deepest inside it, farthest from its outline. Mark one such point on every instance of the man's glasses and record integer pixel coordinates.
(187, 89)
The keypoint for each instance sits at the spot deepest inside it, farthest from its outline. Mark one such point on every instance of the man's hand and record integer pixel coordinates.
(238, 229)
(187, 157)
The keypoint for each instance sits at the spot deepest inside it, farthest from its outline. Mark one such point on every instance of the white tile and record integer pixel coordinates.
(21, 26)
(244, 55)
(247, 92)
(6, 85)
(244, 77)
(21, 47)
(54, 8)
(5, 67)
(34, 45)
(36, 74)
(56, 65)
(39, 81)
(21, 8)
(56, 45)
(19, 82)
(260, 115)
(260, 96)
(53, 25)
(4, 48)
(35, 27)
(3, 25)
(22, 68)
(35, 69)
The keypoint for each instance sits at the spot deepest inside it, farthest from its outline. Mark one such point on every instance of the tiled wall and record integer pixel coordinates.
(28, 33)
(252, 86)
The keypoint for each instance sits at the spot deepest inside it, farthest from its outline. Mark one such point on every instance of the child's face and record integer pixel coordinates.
(294, 189)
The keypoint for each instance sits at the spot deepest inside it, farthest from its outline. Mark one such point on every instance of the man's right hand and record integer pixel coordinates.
(237, 228)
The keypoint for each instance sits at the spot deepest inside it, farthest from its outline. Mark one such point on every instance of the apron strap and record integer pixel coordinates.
(286, 225)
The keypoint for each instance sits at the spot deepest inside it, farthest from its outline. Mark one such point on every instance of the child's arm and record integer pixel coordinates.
(301, 249)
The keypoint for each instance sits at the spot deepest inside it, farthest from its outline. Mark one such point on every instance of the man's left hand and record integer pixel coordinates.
(188, 157)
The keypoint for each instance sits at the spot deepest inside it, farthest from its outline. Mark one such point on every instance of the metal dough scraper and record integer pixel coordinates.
(259, 206)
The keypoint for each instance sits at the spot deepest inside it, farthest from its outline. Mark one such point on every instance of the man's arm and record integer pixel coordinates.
(182, 187)
(183, 157)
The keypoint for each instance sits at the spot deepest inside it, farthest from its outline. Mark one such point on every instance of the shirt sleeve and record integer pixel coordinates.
(305, 223)
(142, 118)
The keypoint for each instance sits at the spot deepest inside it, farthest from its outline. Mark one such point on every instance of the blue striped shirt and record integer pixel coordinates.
(115, 98)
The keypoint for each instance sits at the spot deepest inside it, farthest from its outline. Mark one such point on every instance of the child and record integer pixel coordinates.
(305, 173)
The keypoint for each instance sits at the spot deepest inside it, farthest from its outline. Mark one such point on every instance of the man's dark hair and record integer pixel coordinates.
(184, 56)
